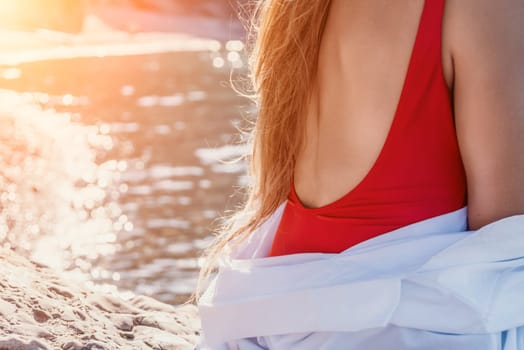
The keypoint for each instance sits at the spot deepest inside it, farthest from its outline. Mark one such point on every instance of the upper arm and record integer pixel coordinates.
(486, 42)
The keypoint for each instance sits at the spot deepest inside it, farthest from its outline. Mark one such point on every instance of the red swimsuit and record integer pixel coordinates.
(417, 175)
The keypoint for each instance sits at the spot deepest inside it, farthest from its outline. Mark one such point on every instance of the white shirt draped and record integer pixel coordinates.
(430, 285)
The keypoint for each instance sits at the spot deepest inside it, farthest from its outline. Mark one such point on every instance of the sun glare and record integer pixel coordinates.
(113, 120)
(60, 15)
(16, 12)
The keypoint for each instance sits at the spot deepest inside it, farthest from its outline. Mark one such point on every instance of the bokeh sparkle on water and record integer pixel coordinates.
(113, 167)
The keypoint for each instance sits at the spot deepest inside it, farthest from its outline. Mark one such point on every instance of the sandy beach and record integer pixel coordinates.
(40, 310)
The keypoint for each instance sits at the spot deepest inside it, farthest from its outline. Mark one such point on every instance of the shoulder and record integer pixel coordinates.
(473, 25)
(483, 41)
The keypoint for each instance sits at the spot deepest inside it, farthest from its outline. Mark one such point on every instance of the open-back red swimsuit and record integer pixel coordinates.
(417, 175)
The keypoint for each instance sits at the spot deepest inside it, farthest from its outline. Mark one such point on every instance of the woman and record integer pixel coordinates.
(379, 121)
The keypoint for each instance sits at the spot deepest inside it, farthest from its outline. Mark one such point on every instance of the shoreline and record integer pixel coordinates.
(119, 32)
(25, 47)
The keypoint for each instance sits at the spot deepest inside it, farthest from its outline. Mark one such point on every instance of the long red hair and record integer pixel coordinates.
(284, 45)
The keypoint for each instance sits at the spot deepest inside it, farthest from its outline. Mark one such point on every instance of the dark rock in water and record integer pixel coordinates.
(212, 19)
(74, 318)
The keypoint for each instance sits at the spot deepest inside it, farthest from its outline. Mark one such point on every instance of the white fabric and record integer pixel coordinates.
(429, 285)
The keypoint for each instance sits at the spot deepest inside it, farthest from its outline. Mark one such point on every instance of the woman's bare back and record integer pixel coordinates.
(363, 61)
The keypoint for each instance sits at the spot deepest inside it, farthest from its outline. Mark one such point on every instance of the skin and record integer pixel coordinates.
(365, 52)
